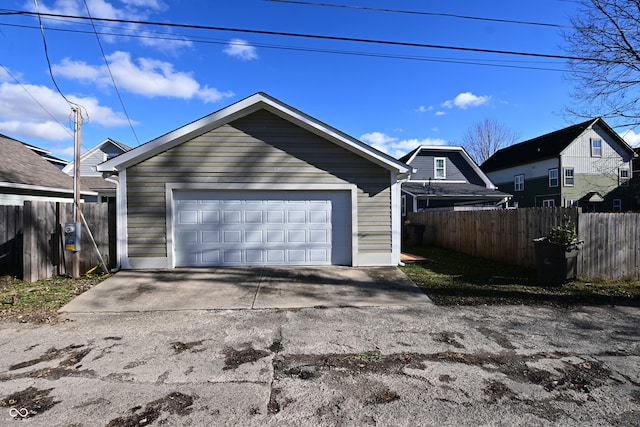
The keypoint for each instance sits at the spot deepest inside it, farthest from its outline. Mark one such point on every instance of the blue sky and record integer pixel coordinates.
(393, 97)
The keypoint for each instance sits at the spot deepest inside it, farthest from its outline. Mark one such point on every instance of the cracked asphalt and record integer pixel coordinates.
(406, 365)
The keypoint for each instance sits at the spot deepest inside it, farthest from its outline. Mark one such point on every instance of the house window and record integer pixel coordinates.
(617, 204)
(569, 178)
(440, 169)
(518, 183)
(403, 206)
(624, 177)
(553, 177)
(570, 203)
(548, 203)
(596, 148)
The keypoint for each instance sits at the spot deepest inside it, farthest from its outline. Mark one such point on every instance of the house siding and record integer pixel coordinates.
(259, 148)
(457, 169)
(539, 169)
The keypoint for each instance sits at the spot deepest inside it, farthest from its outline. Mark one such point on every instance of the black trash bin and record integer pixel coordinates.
(555, 263)
(418, 234)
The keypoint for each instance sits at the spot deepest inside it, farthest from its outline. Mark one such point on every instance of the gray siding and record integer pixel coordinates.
(457, 168)
(262, 148)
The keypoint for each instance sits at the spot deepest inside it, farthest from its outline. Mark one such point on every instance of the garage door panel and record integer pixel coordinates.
(262, 228)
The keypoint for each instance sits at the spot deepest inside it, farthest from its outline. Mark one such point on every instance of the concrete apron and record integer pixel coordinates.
(249, 288)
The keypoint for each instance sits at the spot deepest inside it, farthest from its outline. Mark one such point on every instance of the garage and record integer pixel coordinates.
(256, 183)
(224, 228)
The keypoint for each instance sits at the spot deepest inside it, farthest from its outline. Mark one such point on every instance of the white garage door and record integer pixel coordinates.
(218, 228)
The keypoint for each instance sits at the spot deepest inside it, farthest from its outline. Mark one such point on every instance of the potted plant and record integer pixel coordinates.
(556, 254)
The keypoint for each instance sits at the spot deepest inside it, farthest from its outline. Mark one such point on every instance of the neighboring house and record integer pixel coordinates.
(445, 177)
(635, 180)
(586, 165)
(257, 183)
(25, 175)
(90, 178)
(59, 163)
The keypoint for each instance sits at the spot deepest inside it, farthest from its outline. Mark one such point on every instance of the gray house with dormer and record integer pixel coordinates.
(446, 178)
(90, 178)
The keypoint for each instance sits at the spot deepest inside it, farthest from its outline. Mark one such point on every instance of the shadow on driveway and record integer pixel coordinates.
(249, 288)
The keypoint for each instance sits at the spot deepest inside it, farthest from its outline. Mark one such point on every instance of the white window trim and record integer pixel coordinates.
(557, 178)
(617, 202)
(593, 154)
(564, 177)
(548, 203)
(444, 167)
(518, 185)
(624, 181)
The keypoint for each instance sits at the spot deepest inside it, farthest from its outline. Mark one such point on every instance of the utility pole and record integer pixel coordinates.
(75, 270)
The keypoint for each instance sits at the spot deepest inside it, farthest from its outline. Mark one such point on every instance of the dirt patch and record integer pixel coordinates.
(35, 401)
(380, 397)
(579, 377)
(497, 337)
(495, 391)
(179, 347)
(308, 366)
(174, 403)
(52, 354)
(235, 358)
(448, 338)
(67, 367)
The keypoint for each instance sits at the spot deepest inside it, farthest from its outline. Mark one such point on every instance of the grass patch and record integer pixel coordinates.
(453, 278)
(39, 301)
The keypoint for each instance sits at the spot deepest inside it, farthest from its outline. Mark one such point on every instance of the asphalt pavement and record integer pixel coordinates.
(411, 364)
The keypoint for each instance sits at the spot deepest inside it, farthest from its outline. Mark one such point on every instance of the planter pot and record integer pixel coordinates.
(556, 263)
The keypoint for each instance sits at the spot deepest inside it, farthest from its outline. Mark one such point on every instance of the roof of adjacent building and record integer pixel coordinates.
(443, 190)
(538, 148)
(21, 165)
(545, 146)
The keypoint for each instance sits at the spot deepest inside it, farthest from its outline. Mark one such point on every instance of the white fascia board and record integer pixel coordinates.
(240, 109)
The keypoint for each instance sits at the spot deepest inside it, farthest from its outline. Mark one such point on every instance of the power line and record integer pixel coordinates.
(485, 62)
(328, 37)
(413, 12)
(36, 100)
(111, 75)
(446, 15)
(46, 53)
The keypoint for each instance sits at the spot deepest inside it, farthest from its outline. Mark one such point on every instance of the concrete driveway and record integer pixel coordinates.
(249, 288)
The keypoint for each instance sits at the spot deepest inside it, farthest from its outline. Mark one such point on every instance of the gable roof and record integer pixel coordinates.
(57, 162)
(122, 147)
(409, 158)
(21, 167)
(545, 146)
(241, 109)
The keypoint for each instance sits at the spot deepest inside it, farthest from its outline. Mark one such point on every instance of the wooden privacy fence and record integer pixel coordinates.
(611, 249)
(32, 241)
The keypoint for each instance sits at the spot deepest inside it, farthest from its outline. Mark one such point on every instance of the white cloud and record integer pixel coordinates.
(144, 76)
(241, 49)
(397, 147)
(631, 137)
(129, 10)
(423, 109)
(465, 100)
(440, 113)
(22, 116)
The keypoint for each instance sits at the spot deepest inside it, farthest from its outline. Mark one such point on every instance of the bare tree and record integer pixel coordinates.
(605, 42)
(486, 137)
